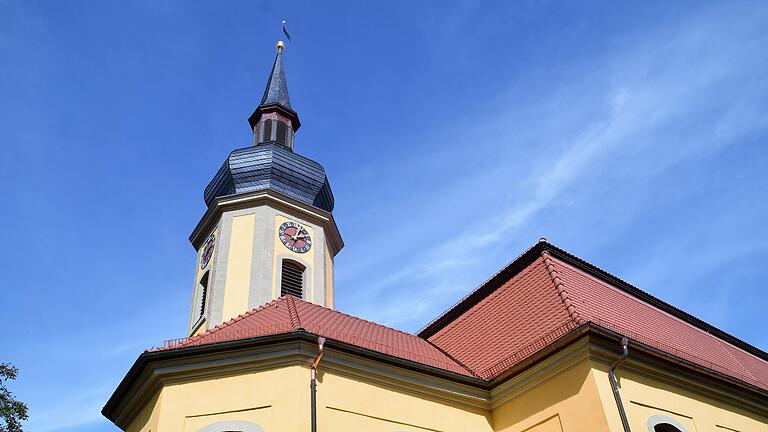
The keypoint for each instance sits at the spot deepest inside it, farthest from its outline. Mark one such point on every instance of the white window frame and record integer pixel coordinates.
(658, 419)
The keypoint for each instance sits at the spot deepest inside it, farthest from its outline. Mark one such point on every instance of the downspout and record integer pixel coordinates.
(313, 383)
(615, 387)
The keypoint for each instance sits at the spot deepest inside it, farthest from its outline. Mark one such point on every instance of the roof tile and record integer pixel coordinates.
(523, 311)
(288, 314)
(529, 311)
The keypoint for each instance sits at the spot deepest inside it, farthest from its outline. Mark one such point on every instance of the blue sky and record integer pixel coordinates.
(455, 135)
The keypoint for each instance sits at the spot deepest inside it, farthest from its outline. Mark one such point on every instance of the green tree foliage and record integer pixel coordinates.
(12, 412)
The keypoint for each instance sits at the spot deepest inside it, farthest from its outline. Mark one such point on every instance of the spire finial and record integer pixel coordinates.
(275, 97)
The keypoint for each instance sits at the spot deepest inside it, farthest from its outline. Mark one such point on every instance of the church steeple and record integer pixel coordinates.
(274, 120)
(269, 229)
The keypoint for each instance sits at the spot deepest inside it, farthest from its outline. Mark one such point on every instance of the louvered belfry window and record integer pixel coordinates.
(203, 293)
(292, 282)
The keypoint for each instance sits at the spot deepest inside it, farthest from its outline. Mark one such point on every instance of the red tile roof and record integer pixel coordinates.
(601, 303)
(288, 314)
(542, 295)
(525, 309)
(491, 332)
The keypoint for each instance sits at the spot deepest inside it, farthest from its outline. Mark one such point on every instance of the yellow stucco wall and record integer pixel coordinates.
(644, 397)
(267, 398)
(239, 266)
(348, 404)
(279, 400)
(147, 419)
(569, 401)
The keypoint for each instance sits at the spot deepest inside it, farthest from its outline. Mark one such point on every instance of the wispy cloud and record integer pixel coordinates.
(678, 94)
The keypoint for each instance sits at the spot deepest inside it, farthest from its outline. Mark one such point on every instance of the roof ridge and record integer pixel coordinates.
(293, 313)
(452, 358)
(560, 287)
(730, 354)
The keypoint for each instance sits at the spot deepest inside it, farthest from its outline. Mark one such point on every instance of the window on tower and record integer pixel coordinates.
(267, 125)
(203, 289)
(282, 133)
(292, 279)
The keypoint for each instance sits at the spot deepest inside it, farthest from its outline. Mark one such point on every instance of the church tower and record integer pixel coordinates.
(268, 231)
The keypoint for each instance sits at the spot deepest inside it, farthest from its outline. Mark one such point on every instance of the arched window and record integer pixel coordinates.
(292, 279)
(662, 423)
(665, 427)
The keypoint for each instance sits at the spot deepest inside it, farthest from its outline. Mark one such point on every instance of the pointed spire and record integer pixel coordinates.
(275, 98)
(276, 92)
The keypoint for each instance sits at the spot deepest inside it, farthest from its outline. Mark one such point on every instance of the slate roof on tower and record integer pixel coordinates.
(275, 96)
(275, 167)
(269, 165)
(276, 92)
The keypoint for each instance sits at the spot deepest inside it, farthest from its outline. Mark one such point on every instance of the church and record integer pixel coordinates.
(549, 343)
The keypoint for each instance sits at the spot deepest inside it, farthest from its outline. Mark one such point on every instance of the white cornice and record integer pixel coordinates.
(268, 196)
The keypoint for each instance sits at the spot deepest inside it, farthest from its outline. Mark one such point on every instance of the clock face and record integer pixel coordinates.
(205, 258)
(295, 237)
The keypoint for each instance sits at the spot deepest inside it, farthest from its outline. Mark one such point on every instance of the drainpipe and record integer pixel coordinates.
(615, 387)
(313, 384)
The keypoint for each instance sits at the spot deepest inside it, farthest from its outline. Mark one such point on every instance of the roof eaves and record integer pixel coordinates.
(145, 358)
(601, 329)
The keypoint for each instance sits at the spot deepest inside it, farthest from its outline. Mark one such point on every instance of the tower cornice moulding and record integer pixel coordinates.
(278, 200)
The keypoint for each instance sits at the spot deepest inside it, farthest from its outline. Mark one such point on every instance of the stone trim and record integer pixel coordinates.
(658, 419)
(232, 425)
(315, 215)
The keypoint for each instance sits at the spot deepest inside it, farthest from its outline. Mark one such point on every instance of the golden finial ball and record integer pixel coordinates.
(280, 45)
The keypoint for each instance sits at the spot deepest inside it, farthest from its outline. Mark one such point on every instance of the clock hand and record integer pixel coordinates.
(295, 236)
